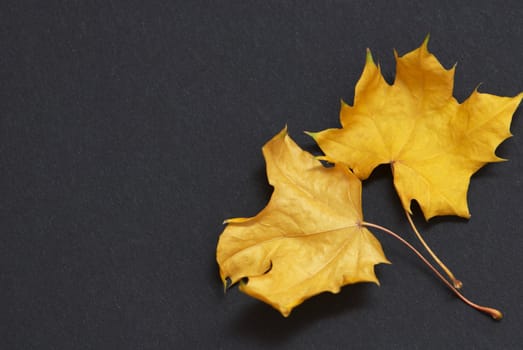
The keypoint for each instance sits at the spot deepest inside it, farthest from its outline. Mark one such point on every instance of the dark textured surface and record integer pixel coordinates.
(130, 130)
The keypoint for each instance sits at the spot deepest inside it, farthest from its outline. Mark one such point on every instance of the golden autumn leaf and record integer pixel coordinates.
(433, 143)
(307, 240)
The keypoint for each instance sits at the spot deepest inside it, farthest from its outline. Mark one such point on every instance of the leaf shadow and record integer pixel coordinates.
(264, 324)
(212, 272)
(263, 188)
(312, 148)
(379, 198)
(424, 225)
(380, 174)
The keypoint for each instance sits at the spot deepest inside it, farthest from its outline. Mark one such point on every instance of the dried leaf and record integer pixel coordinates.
(307, 240)
(433, 143)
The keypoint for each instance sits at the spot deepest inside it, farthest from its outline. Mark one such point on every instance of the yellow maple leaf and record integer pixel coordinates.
(433, 143)
(307, 240)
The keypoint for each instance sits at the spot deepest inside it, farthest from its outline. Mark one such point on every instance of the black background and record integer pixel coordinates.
(130, 130)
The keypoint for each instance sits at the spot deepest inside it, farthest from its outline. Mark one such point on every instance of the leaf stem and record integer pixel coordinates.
(457, 283)
(494, 313)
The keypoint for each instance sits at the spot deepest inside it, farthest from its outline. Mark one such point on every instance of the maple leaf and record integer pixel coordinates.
(433, 143)
(307, 240)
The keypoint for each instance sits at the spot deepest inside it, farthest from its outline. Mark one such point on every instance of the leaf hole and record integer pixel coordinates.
(269, 269)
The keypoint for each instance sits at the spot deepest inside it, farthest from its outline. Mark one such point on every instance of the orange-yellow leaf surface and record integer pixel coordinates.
(308, 238)
(433, 143)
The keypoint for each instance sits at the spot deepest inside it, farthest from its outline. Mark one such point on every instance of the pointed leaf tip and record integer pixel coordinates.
(311, 134)
(426, 41)
(368, 58)
(283, 132)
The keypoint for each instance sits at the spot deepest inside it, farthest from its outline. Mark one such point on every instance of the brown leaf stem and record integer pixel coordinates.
(494, 313)
(457, 283)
